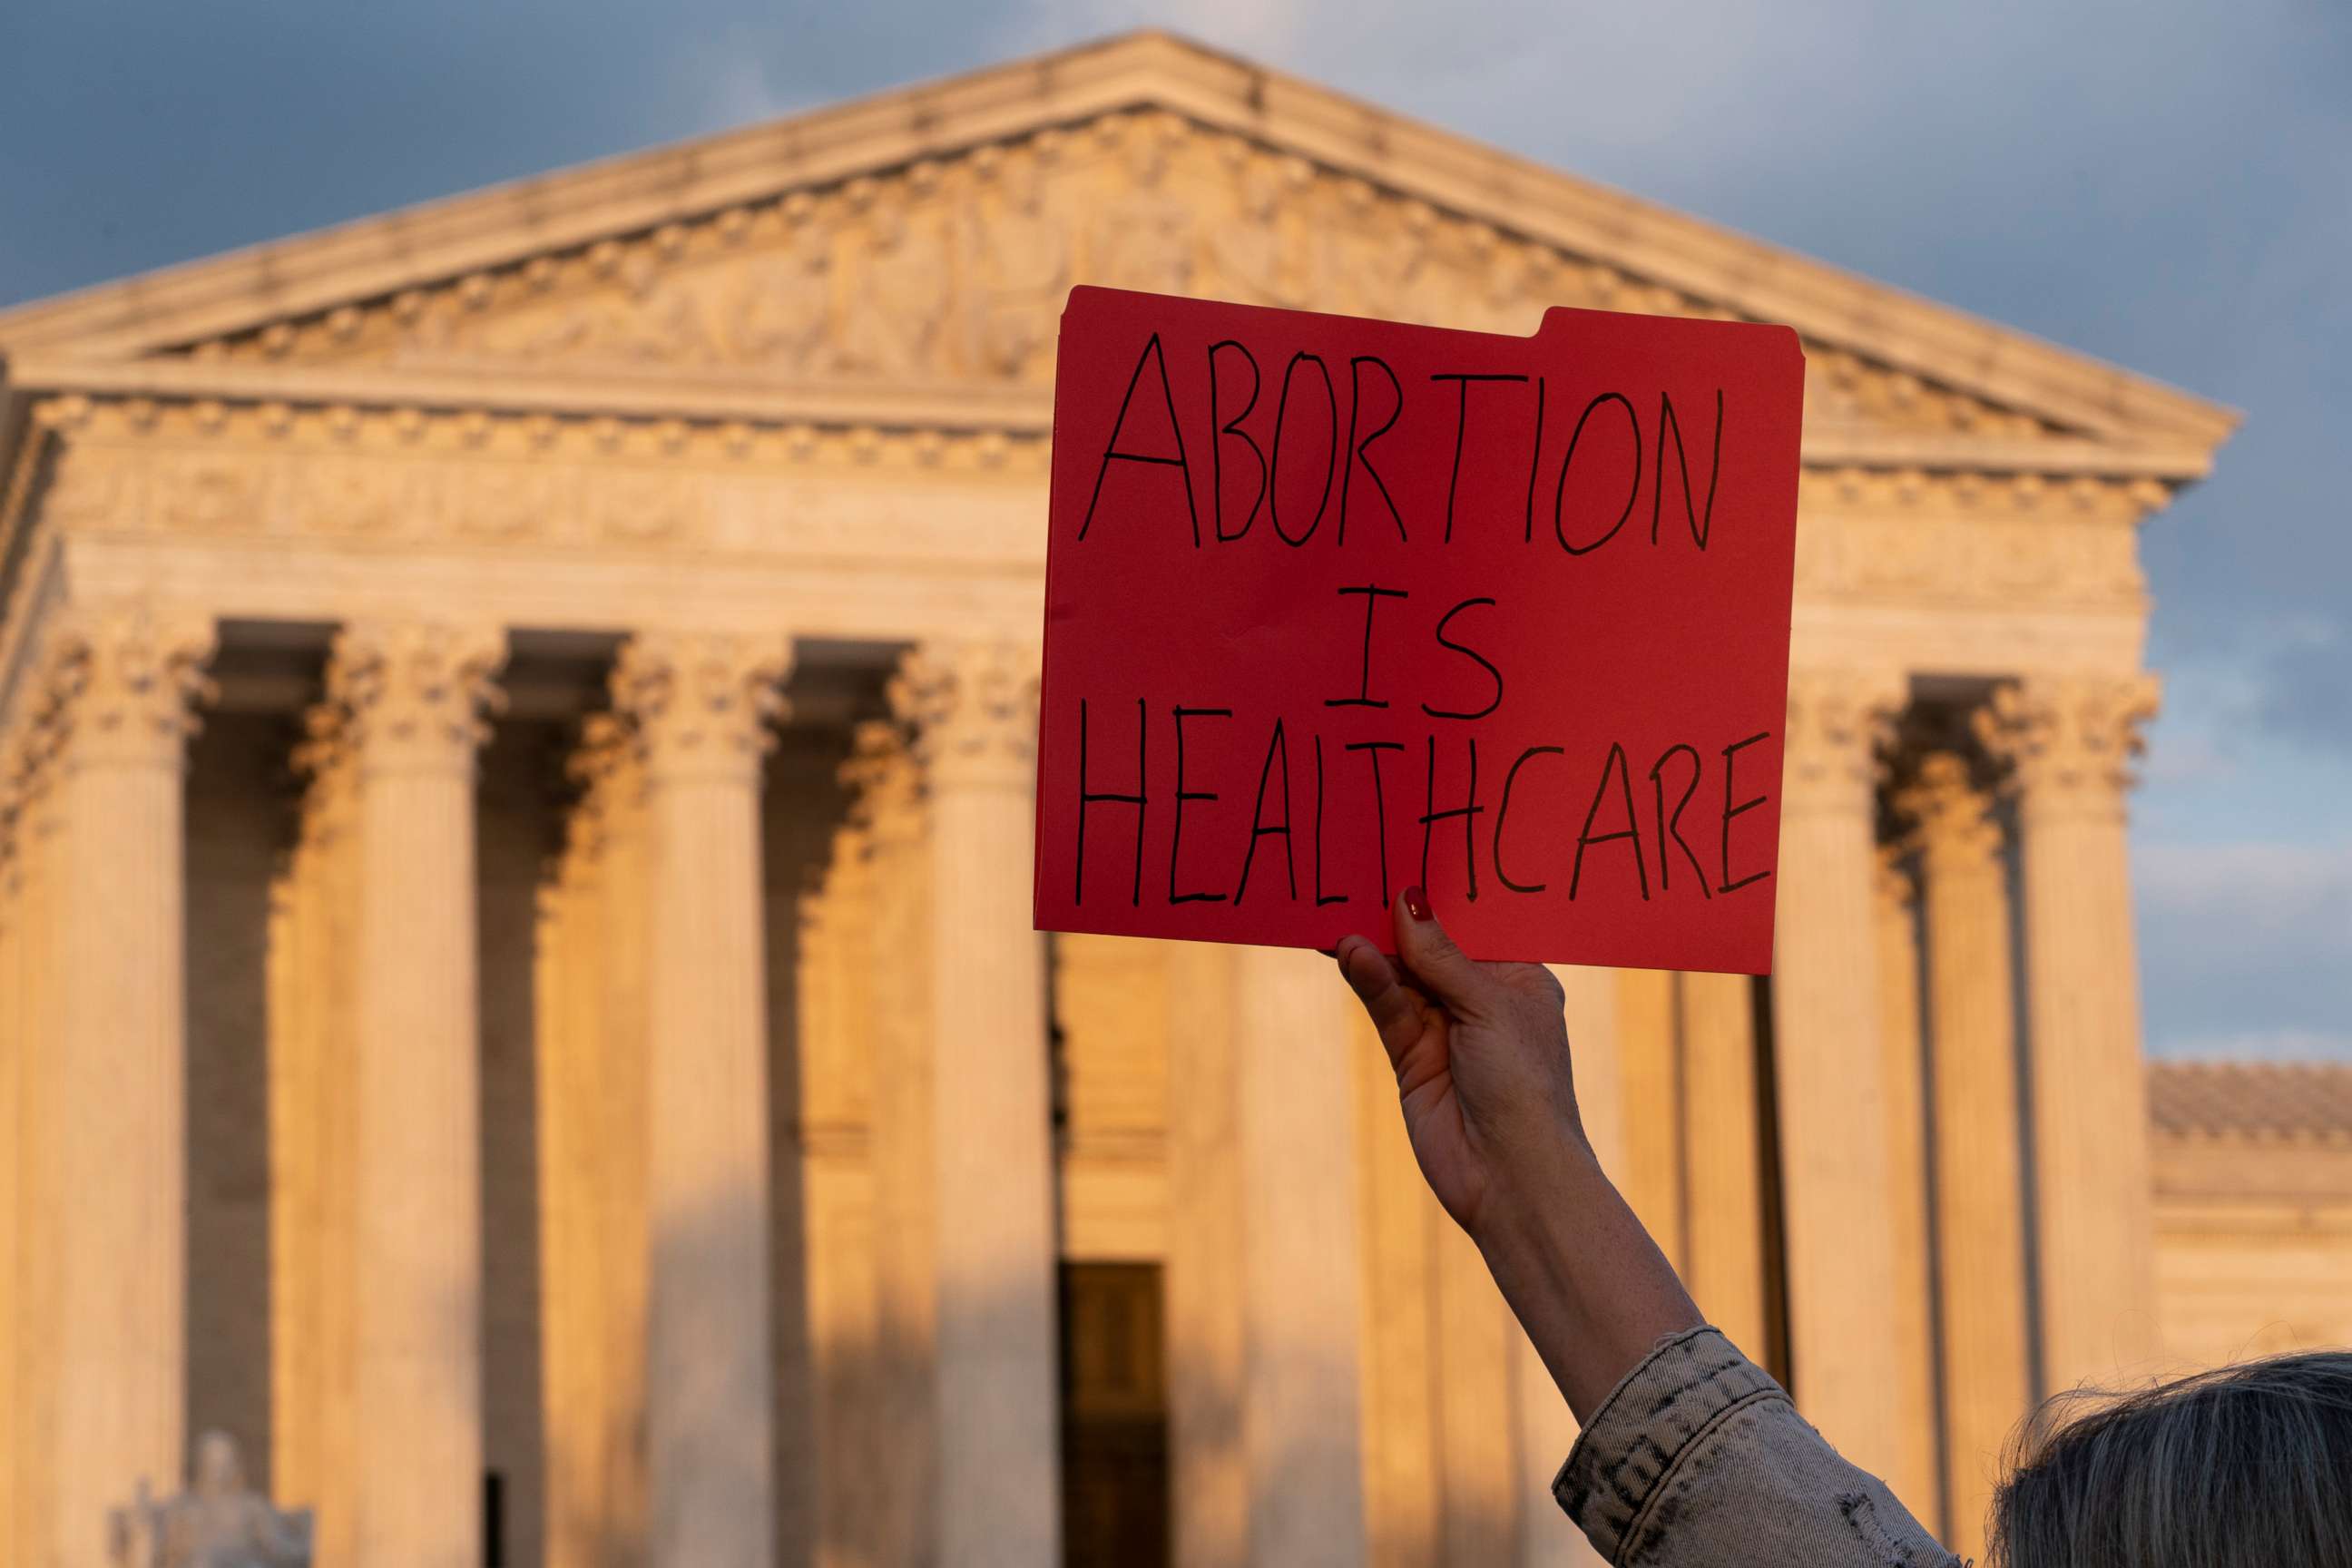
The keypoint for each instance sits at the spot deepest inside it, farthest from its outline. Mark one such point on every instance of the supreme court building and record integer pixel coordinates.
(517, 998)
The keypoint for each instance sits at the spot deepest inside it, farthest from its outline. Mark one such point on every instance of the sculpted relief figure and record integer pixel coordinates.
(1144, 237)
(780, 312)
(1020, 268)
(663, 321)
(900, 295)
(1373, 259)
(1253, 254)
(216, 1524)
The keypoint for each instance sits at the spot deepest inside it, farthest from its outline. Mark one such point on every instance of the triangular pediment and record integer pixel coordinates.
(924, 240)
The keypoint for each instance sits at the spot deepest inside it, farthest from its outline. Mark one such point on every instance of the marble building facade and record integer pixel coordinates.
(515, 744)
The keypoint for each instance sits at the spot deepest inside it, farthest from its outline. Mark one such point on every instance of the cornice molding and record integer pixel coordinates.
(377, 257)
(62, 392)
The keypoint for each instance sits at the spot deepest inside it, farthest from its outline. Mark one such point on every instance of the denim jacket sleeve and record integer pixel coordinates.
(1697, 1460)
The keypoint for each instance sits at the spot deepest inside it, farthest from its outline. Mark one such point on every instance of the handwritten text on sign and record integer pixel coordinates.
(1334, 606)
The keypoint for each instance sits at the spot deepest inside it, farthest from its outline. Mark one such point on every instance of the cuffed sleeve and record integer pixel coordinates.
(1698, 1459)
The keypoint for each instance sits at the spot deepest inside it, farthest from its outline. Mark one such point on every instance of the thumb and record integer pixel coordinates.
(1443, 970)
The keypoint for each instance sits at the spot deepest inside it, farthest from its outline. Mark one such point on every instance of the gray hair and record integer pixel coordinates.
(2247, 1467)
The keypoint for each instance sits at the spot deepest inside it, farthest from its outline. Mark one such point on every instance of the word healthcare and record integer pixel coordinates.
(1335, 607)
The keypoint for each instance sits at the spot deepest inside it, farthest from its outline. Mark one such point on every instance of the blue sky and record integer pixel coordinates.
(2161, 183)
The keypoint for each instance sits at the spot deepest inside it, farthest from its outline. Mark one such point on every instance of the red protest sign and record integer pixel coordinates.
(1334, 606)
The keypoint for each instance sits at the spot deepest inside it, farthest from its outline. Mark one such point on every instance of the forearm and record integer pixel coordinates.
(1691, 1454)
(1583, 1278)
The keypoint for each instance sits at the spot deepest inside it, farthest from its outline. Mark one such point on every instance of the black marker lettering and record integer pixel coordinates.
(1359, 453)
(1670, 827)
(1176, 845)
(1462, 433)
(1468, 811)
(1503, 813)
(1633, 423)
(1087, 797)
(1701, 523)
(1476, 658)
(1257, 819)
(1217, 446)
(1730, 811)
(1330, 455)
(1373, 595)
(1534, 464)
(1321, 898)
(1379, 809)
(1151, 352)
(1617, 765)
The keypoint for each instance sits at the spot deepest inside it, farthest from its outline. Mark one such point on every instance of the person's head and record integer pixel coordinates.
(2249, 1466)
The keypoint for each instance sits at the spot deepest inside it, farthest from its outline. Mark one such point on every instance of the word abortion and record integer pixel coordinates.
(1483, 414)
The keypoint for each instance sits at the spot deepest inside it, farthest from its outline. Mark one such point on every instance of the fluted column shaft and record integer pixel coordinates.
(313, 1145)
(1722, 1169)
(702, 705)
(1832, 1095)
(894, 967)
(588, 1099)
(12, 1043)
(974, 708)
(31, 1132)
(107, 1072)
(837, 1042)
(2071, 743)
(1301, 1263)
(1209, 1474)
(1914, 1471)
(1591, 1002)
(413, 696)
(1978, 1187)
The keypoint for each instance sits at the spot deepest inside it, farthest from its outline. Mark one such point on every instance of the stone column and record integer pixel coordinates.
(893, 959)
(581, 1357)
(412, 696)
(118, 683)
(1913, 1472)
(974, 708)
(28, 1130)
(1979, 1188)
(312, 1145)
(618, 999)
(1301, 1262)
(1832, 1090)
(838, 1041)
(2070, 742)
(1547, 1427)
(12, 1084)
(1723, 1168)
(1208, 1473)
(703, 706)
(1651, 1067)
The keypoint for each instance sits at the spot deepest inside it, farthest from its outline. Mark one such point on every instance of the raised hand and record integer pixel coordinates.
(1481, 1054)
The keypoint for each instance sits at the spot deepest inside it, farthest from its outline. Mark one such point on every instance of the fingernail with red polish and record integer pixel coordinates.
(1416, 902)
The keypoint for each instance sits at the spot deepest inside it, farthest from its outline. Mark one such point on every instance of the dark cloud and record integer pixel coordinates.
(2156, 182)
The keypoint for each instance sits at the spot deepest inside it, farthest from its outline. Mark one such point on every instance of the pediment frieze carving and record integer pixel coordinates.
(951, 272)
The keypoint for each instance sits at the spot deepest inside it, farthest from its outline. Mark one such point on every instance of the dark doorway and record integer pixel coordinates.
(1115, 1476)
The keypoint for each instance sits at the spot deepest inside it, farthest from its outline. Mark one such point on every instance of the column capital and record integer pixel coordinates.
(603, 767)
(412, 694)
(703, 704)
(2070, 741)
(885, 786)
(1838, 721)
(973, 710)
(1952, 814)
(118, 684)
(1893, 879)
